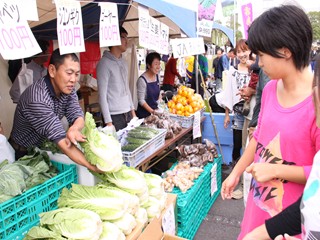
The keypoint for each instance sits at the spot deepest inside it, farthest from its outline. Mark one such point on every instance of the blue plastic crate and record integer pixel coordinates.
(20, 213)
(225, 135)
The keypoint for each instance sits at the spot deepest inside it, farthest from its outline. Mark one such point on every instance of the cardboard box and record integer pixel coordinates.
(154, 229)
(135, 232)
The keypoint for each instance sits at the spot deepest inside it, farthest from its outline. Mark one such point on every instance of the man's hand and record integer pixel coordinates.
(74, 136)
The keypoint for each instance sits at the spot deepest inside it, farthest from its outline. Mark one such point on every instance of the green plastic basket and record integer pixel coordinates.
(20, 213)
(194, 205)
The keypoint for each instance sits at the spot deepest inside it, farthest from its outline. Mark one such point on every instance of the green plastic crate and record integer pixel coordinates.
(20, 213)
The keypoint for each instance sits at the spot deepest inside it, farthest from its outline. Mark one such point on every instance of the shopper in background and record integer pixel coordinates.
(114, 94)
(170, 73)
(148, 87)
(42, 106)
(230, 99)
(282, 150)
(223, 65)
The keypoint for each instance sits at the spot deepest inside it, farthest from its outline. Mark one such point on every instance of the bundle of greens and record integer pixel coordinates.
(23, 174)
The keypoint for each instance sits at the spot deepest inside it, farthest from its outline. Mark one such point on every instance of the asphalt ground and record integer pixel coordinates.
(223, 220)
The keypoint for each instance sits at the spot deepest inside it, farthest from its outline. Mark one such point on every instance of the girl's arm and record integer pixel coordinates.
(263, 172)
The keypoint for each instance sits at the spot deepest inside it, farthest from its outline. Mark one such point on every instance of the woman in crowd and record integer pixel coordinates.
(287, 138)
(230, 98)
(148, 88)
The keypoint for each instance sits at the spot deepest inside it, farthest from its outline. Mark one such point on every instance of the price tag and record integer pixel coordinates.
(196, 125)
(214, 184)
(168, 221)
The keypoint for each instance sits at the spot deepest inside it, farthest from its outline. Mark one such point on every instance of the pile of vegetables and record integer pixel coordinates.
(198, 155)
(23, 174)
(181, 176)
(138, 136)
(100, 149)
(163, 120)
(190, 165)
(121, 201)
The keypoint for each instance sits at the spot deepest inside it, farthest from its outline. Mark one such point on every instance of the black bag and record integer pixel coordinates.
(238, 107)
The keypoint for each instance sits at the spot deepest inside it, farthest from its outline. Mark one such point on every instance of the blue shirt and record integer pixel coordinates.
(39, 112)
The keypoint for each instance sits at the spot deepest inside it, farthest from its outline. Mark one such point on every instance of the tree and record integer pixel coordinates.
(315, 23)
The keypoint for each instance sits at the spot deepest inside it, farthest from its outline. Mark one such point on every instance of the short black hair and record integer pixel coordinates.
(57, 60)
(122, 30)
(286, 26)
(151, 56)
(205, 48)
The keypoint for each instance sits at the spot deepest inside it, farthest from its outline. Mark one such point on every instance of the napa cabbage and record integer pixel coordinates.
(126, 223)
(67, 223)
(127, 178)
(110, 231)
(106, 204)
(100, 149)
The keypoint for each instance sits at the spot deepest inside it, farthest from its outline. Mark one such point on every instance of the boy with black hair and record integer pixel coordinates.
(114, 94)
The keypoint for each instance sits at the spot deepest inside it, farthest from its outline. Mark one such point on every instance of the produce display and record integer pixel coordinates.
(23, 174)
(190, 165)
(163, 120)
(115, 207)
(137, 137)
(186, 102)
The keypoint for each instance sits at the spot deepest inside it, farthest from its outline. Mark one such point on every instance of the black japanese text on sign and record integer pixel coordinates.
(13, 32)
(69, 31)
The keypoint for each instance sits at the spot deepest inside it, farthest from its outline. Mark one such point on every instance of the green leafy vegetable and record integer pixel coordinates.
(108, 205)
(73, 223)
(127, 178)
(101, 149)
(110, 231)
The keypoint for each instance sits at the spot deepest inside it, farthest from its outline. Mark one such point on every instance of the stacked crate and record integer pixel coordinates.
(20, 213)
(194, 205)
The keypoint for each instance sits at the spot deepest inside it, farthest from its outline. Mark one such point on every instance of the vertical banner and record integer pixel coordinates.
(164, 39)
(109, 25)
(69, 26)
(246, 11)
(144, 21)
(206, 10)
(16, 38)
(152, 33)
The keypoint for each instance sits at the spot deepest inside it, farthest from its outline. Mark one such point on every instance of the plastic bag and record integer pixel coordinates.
(7, 152)
(23, 80)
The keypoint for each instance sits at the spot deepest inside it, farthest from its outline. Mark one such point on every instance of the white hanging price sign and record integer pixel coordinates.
(168, 221)
(69, 26)
(214, 184)
(109, 25)
(16, 38)
(196, 125)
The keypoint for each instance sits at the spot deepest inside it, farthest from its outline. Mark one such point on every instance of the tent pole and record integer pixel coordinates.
(211, 116)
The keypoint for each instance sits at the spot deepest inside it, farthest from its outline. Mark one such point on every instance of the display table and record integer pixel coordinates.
(169, 146)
